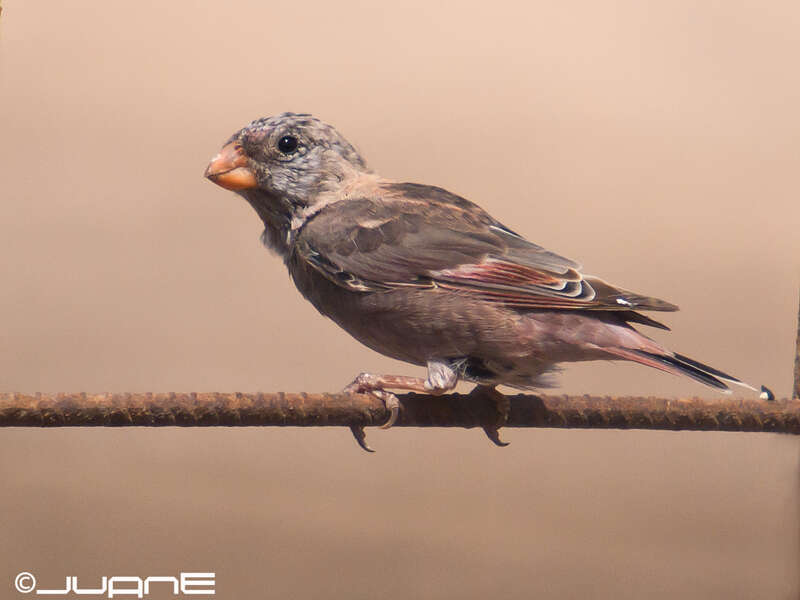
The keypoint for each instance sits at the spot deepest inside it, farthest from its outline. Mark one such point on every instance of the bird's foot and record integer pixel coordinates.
(441, 379)
(374, 384)
(503, 407)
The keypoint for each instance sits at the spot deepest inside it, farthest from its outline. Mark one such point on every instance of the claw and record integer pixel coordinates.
(361, 437)
(392, 405)
(493, 433)
(503, 406)
(366, 383)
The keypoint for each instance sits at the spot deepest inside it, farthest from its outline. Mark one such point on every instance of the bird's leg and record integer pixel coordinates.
(503, 406)
(441, 379)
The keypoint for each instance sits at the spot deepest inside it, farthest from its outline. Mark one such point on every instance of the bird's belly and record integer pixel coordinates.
(409, 324)
(417, 324)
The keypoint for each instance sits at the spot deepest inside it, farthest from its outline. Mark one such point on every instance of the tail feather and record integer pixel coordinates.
(683, 365)
(707, 369)
(634, 317)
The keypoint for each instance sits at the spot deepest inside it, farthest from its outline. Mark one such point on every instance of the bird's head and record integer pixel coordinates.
(285, 164)
(292, 156)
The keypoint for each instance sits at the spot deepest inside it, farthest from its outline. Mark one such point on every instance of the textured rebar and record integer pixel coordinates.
(796, 387)
(453, 410)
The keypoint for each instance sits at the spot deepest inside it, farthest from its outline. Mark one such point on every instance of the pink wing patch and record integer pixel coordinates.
(505, 273)
(518, 285)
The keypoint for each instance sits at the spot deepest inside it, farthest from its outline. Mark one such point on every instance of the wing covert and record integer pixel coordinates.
(371, 245)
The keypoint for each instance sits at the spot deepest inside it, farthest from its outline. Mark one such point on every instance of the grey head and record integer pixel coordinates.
(283, 166)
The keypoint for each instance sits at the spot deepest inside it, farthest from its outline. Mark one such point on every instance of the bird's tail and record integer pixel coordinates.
(678, 364)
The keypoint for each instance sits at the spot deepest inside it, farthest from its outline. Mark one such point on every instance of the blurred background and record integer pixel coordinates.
(656, 142)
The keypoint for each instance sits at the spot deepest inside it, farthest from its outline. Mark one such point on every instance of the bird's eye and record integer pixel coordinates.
(287, 144)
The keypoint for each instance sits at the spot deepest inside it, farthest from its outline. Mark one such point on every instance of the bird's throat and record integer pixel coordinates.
(276, 215)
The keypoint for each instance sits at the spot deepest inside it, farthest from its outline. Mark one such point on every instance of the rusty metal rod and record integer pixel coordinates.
(796, 388)
(453, 410)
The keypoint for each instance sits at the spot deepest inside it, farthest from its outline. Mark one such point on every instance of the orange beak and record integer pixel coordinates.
(229, 169)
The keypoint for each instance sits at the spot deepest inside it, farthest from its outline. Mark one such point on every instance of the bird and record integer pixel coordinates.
(425, 276)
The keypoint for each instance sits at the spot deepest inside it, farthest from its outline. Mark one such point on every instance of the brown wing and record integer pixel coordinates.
(374, 245)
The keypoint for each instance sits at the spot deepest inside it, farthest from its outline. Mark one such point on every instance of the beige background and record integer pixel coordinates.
(657, 142)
